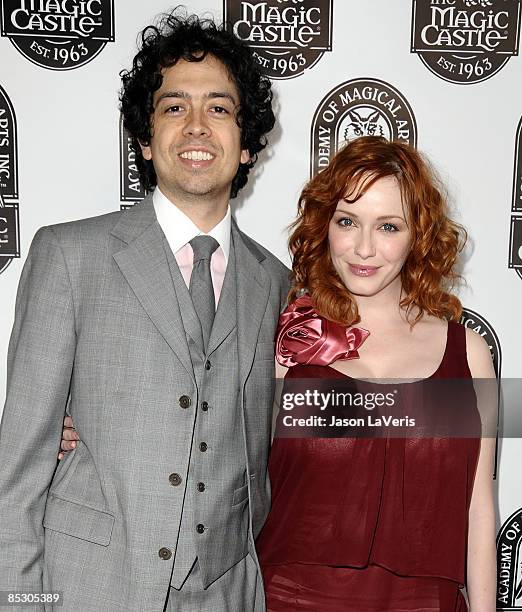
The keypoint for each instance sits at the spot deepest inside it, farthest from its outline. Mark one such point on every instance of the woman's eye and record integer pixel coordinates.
(389, 227)
(345, 222)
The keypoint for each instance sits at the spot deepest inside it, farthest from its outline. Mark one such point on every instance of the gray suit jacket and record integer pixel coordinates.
(98, 329)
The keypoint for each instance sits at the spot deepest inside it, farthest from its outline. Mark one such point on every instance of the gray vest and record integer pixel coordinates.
(214, 521)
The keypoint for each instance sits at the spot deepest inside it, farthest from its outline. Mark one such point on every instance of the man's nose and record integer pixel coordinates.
(196, 124)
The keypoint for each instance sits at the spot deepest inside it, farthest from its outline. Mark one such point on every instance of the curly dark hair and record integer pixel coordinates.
(189, 37)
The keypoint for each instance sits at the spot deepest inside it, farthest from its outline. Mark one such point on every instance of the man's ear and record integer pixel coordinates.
(245, 156)
(146, 152)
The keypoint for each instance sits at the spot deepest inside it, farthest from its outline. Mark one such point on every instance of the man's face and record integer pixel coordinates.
(196, 143)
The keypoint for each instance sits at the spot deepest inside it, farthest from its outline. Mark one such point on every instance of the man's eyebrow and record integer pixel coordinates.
(221, 94)
(186, 96)
(173, 94)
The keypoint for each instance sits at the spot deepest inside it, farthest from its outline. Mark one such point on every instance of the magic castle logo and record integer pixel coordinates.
(360, 107)
(509, 564)
(465, 41)
(288, 36)
(9, 229)
(515, 235)
(58, 34)
(131, 191)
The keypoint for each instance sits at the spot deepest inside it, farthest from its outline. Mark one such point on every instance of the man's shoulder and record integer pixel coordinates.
(269, 258)
(274, 267)
(95, 227)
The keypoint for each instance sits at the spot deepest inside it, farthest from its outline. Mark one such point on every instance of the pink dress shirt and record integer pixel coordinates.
(180, 229)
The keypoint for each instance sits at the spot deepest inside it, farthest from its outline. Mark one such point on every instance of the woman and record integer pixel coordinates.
(377, 524)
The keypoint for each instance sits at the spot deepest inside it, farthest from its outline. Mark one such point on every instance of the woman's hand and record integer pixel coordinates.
(69, 437)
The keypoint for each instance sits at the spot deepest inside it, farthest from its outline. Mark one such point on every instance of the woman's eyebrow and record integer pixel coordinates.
(380, 218)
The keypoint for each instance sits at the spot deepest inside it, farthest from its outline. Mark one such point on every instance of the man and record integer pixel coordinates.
(159, 505)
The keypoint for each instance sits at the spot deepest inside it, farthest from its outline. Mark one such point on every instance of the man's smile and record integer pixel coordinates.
(196, 155)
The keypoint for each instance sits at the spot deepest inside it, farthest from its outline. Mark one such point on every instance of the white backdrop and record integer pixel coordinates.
(68, 147)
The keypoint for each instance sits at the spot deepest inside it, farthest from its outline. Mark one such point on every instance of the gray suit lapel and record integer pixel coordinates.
(253, 289)
(143, 263)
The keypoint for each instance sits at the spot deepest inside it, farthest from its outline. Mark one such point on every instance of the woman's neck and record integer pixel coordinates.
(382, 309)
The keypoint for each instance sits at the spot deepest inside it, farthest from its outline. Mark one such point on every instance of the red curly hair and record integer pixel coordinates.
(428, 275)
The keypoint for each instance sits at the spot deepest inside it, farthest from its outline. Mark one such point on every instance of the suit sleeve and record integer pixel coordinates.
(286, 285)
(39, 366)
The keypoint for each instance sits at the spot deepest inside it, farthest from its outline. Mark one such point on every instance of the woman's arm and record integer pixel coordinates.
(280, 372)
(481, 566)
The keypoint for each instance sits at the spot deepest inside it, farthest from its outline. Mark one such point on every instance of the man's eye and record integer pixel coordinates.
(389, 227)
(175, 108)
(219, 110)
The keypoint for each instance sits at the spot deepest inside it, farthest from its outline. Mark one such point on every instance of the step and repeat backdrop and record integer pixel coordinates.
(443, 75)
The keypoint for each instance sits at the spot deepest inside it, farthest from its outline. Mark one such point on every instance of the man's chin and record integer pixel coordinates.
(201, 189)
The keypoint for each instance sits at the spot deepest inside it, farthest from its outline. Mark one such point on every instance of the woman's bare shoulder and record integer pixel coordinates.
(479, 356)
(429, 326)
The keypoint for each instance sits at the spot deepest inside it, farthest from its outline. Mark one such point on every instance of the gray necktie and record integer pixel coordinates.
(201, 289)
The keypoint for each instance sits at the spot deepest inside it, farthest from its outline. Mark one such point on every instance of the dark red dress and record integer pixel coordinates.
(370, 524)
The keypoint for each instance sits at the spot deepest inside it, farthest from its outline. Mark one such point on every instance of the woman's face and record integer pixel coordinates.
(370, 240)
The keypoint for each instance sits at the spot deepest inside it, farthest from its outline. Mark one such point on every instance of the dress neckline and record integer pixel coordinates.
(416, 380)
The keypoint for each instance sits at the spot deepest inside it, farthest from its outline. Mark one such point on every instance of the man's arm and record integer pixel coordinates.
(39, 367)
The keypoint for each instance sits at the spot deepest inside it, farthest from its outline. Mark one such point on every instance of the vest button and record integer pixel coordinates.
(203, 447)
(201, 487)
(165, 553)
(175, 480)
(200, 528)
(204, 406)
(184, 401)
(208, 365)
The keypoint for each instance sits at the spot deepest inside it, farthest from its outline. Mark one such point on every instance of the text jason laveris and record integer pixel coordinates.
(335, 421)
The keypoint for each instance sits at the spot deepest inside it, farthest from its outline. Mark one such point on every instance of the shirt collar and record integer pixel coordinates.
(179, 229)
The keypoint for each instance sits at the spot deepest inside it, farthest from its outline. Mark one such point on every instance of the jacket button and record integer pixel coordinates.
(203, 447)
(208, 365)
(185, 401)
(175, 480)
(204, 406)
(165, 553)
(200, 528)
(201, 487)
